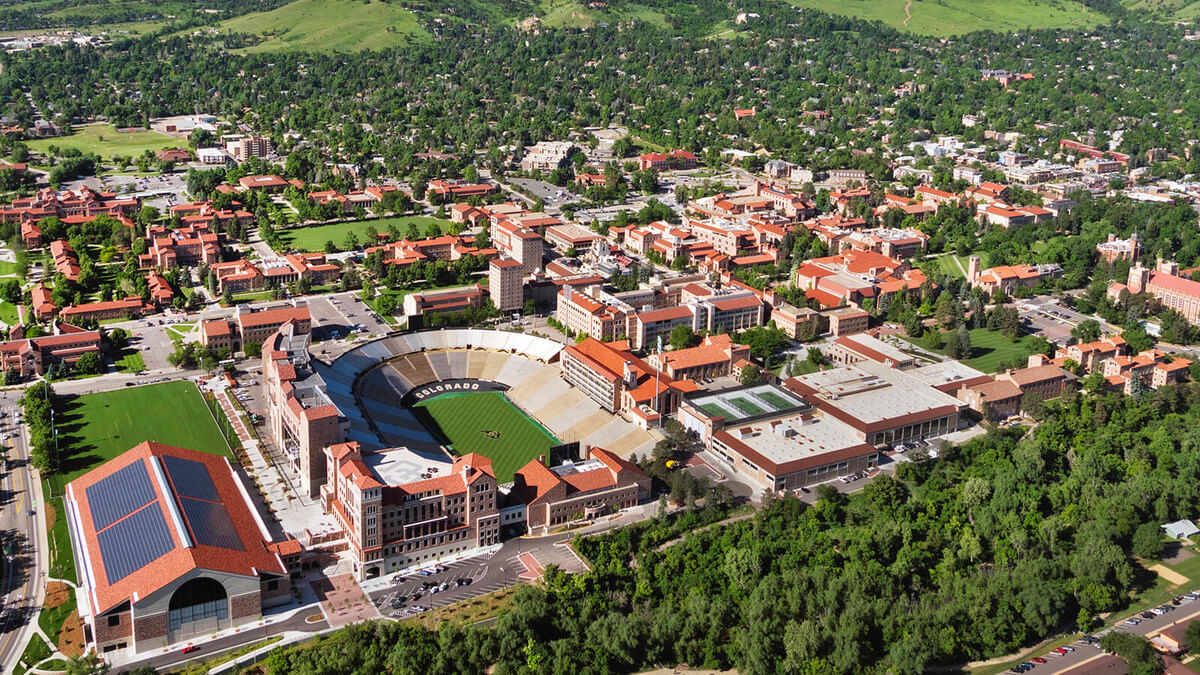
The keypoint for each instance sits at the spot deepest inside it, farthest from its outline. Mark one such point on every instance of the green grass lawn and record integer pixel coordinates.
(330, 25)
(105, 141)
(989, 349)
(804, 367)
(714, 410)
(51, 620)
(486, 423)
(62, 562)
(314, 238)
(8, 313)
(955, 17)
(131, 361)
(35, 651)
(95, 428)
(8, 269)
(576, 14)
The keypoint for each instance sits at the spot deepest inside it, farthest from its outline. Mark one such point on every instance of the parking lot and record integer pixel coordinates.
(1051, 319)
(341, 314)
(549, 193)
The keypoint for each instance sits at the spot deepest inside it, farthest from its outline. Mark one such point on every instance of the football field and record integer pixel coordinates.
(486, 423)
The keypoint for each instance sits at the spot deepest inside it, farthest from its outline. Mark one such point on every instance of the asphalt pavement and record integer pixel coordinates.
(20, 539)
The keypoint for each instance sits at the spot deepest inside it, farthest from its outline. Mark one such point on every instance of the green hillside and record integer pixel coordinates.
(329, 25)
(1166, 10)
(955, 17)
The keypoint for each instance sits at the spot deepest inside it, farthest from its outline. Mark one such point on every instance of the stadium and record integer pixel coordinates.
(446, 393)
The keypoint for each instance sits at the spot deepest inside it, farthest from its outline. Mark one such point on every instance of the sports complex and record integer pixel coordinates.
(447, 393)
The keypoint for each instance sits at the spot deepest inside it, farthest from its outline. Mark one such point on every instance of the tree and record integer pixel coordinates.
(88, 364)
(1135, 650)
(530, 307)
(1148, 541)
(751, 374)
(958, 345)
(253, 349)
(682, 337)
(88, 664)
(1088, 330)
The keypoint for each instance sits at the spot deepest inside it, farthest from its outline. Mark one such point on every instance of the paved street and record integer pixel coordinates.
(20, 537)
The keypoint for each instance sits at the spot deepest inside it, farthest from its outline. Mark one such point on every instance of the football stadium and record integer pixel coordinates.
(448, 393)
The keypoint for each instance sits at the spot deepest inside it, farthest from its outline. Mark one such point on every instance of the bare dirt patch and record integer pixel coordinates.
(57, 593)
(1169, 574)
(70, 641)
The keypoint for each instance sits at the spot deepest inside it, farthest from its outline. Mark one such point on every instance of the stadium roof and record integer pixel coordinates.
(157, 512)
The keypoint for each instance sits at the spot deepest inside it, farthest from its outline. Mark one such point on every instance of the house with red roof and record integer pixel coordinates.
(30, 357)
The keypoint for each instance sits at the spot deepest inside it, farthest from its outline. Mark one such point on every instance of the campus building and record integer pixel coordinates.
(506, 284)
(518, 242)
(554, 496)
(883, 405)
(250, 325)
(168, 548)
(620, 382)
(34, 356)
(1164, 283)
(714, 357)
(774, 438)
(301, 419)
(392, 522)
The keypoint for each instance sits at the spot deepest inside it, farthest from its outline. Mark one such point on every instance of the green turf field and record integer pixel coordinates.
(94, 428)
(747, 406)
(314, 238)
(779, 402)
(486, 423)
(955, 17)
(104, 140)
(330, 25)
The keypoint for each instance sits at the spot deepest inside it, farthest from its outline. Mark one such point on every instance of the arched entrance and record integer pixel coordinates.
(199, 606)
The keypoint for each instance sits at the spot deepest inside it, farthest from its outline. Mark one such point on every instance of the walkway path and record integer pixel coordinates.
(907, 18)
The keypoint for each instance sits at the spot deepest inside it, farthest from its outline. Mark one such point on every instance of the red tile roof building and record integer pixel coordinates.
(447, 300)
(392, 527)
(662, 161)
(714, 357)
(31, 357)
(555, 496)
(1009, 278)
(170, 549)
(83, 202)
(65, 261)
(183, 247)
(1166, 285)
(43, 306)
(519, 242)
(128, 308)
(458, 189)
(619, 381)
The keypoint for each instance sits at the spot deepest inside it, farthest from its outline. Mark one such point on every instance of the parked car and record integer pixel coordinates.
(189, 649)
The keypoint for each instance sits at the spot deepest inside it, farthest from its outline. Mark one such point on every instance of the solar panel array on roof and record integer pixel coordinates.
(119, 495)
(190, 478)
(134, 543)
(210, 524)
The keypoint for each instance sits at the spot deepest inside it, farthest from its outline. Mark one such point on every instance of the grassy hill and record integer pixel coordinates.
(955, 17)
(329, 25)
(1166, 10)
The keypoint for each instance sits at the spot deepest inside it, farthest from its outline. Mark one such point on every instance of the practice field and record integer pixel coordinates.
(955, 17)
(104, 140)
(486, 423)
(314, 238)
(94, 428)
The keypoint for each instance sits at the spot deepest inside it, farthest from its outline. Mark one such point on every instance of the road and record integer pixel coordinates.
(1187, 609)
(22, 576)
(176, 660)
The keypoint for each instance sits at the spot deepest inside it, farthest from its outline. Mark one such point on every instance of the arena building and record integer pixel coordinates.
(168, 547)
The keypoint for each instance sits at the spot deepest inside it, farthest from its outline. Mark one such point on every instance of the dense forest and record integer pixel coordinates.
(996, 544)
(510, 88)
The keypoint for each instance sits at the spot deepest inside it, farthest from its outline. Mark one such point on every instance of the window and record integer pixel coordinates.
(114, 620)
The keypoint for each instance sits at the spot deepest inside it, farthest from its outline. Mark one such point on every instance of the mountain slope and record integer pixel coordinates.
(329, 25)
